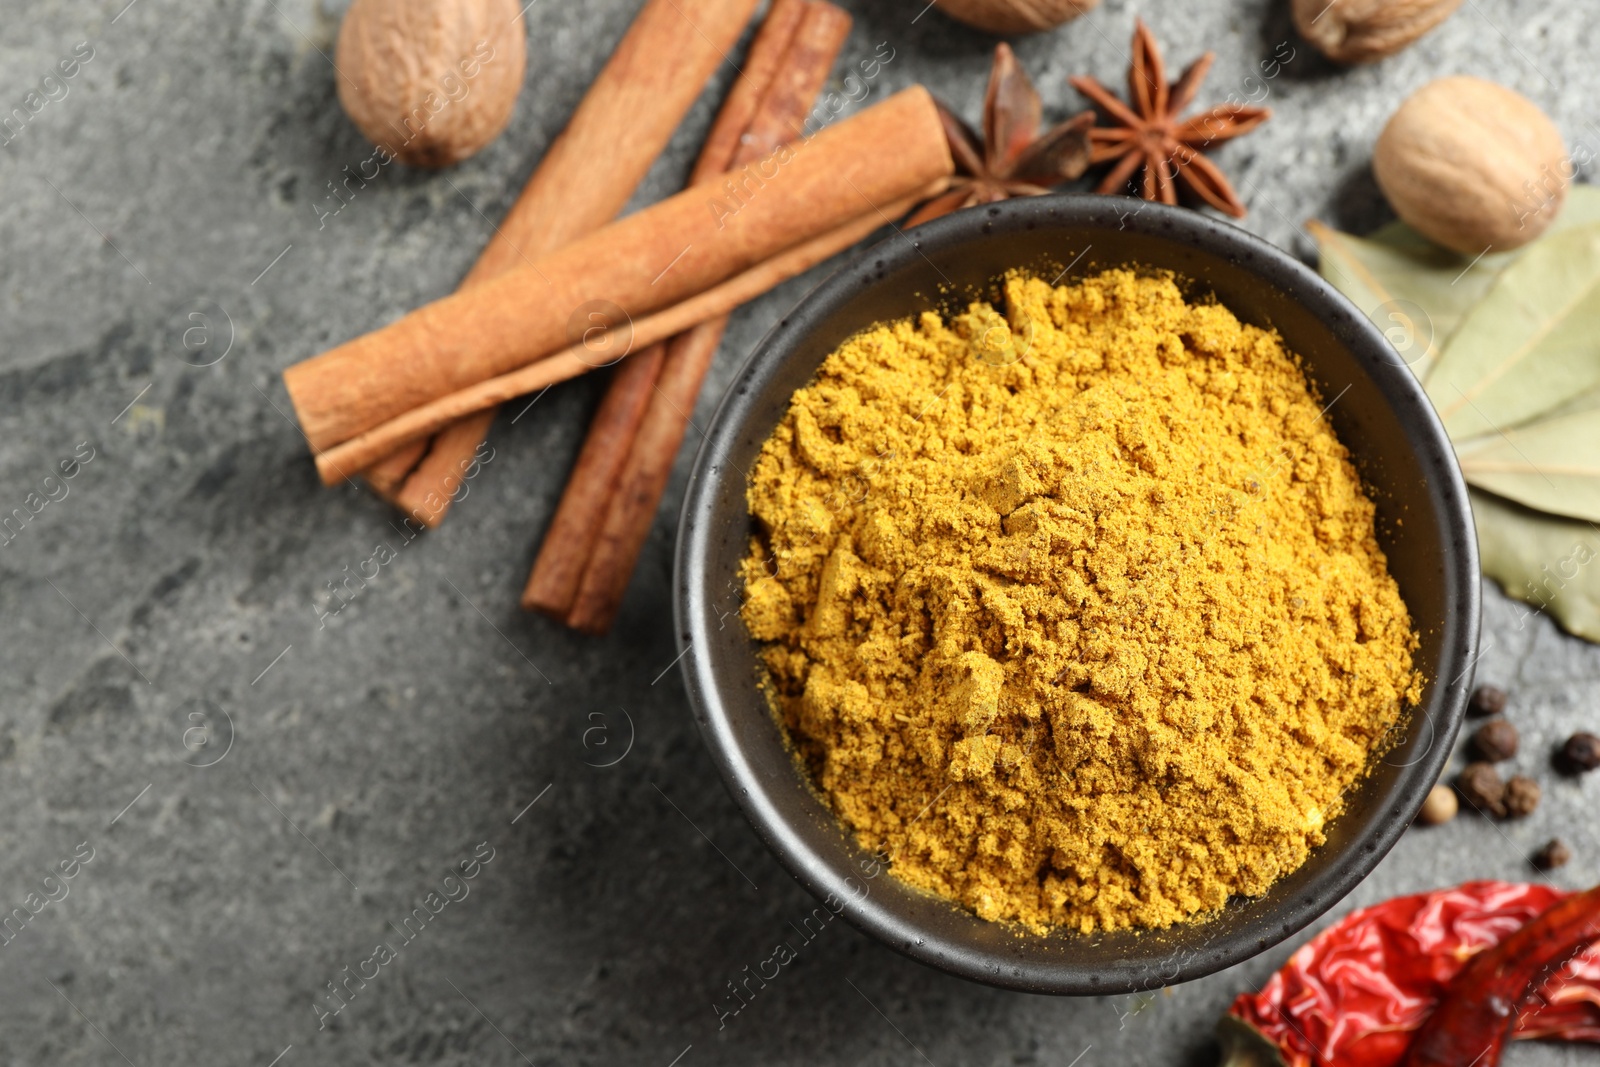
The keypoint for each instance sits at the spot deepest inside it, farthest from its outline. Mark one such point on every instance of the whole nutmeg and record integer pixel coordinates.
(1472, 165)
(1495, 741)
(1481, 786)
(1486, 700)
(1009, 17)
(431, 81)
(1579, 753)
(1522, 796)
(1440, 807)
(1359, 31)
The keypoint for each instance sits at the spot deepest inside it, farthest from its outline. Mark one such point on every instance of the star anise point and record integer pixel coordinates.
(1012, 157)
(1151, 140)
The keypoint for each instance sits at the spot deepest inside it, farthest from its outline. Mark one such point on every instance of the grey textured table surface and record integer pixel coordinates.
(176, 587)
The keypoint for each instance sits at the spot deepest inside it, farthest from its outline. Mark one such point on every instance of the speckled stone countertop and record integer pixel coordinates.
(353, 761)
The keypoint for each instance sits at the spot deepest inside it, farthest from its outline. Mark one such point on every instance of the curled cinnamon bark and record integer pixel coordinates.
(625, 120)
(791, 72)
(361, 451)
(658, 257)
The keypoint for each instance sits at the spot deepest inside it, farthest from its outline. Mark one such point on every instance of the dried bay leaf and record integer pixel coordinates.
(1531, 343)
(1581, 209)
(1552, 464)
(1582, 402)
(1536, 522)
(1414, 291)
(1551, 563)
(1395, 264)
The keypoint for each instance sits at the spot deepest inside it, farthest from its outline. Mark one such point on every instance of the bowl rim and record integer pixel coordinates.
(692, 607)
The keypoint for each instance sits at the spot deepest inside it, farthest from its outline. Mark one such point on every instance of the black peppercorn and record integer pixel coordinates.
(1486, 700)
(1495, 741)
(1580, 753)
(1481, 786)
(1553, 855)
(1522, 796)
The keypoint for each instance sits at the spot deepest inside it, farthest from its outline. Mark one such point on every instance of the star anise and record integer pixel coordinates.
(1152, 136)
(1012, 158)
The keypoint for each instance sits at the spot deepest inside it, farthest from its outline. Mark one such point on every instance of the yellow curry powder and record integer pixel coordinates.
(1076, 614)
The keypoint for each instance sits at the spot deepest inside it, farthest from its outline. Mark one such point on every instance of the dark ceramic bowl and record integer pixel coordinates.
(1378, 411)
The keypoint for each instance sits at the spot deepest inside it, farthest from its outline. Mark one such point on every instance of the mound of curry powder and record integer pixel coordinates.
(1075, 613)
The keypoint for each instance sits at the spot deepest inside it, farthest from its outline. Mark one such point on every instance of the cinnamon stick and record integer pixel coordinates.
(565, 551)
(643, 480)
(389, 475)
(583, 505)
(638, 265)
(619, 129)
(368, 447)
(445, 467)
(625, 523)
(768, 55)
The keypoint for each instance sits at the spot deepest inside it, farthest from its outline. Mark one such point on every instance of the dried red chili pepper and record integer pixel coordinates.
(1355, 994)
(1473, 1022)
